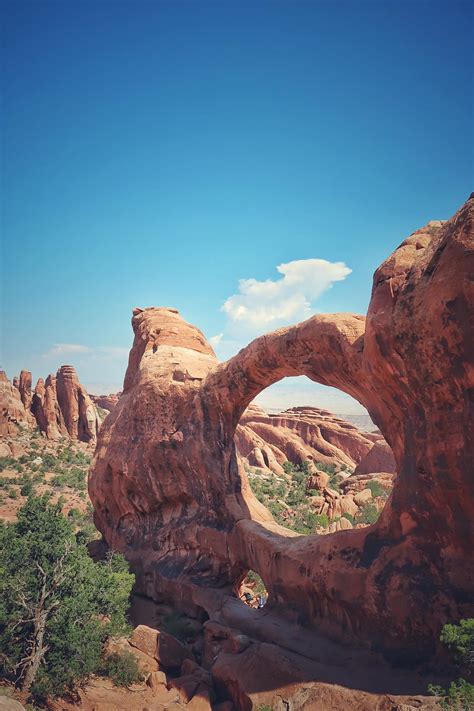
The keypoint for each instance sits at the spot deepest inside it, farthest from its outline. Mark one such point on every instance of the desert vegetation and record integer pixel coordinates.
(303, 499)
(58, 607)
(459, 696)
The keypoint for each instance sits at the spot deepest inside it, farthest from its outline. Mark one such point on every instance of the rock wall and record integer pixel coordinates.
(168, 489)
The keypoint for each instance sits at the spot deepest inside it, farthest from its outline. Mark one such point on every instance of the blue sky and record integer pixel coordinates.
(156, 153)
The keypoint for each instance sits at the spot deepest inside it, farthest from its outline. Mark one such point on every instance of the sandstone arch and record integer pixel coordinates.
(166, 484)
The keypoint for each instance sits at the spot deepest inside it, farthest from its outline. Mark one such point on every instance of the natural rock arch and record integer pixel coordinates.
(168, 491)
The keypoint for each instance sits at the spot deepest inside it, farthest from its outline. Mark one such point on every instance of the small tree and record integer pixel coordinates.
(57, 606)
(459, 696)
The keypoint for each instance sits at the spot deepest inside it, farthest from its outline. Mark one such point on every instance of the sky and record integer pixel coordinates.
(250, 164)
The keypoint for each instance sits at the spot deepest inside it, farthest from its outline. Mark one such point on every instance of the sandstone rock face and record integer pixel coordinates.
(106, 402)
(24, 386)
(169, 492)
(298, 434)
(80, 416)
(12, 410)
(46, 410)
(378, 459)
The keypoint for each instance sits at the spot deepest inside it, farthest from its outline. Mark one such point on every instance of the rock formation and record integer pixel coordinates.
(298, 434)
(24, 386)
(378, 459)
(168, 489)
(106, 402)
(12, 410)
(59, 407)
(80, 416)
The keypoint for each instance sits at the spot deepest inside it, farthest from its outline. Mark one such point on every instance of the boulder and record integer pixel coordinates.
(5, 450)
(157, 681)
(378, 459)
(363, 497)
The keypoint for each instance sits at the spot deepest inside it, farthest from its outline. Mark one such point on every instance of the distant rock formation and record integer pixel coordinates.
(378, 459)
(169, 492)
(12, 410)
(79, 413)
(46, 410)
(24, 386)
(106, 402)
(298, 434)
(59, 406)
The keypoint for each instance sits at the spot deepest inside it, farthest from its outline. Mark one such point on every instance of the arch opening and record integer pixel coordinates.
(252, 591)
(317, 471)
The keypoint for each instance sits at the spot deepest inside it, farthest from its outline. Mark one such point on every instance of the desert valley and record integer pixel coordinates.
(286, 561)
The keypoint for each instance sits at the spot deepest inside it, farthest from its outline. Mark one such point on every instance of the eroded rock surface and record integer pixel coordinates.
(300, 434)
(169, 491)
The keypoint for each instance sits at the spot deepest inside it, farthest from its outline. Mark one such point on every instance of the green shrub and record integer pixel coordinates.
(122, 668)
(368, 514)
(322, 520)
(27, 488)
(75, 478)
(458, 697)
(328, 468)
(460, 694)
(10, 463)
(460, 639)
(377, 489)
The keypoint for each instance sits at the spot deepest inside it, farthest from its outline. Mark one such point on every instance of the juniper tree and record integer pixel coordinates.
(57, 606)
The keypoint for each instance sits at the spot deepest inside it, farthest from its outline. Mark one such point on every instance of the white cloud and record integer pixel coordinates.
(110, 352)
(265, 305)
(215, 340)
(63, 348)
(96, 353)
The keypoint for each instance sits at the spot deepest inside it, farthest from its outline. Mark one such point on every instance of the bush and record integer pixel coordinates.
(10, 463)
(122, 668)
(75, 478)
(27, 488)
(460, 639)
(458, 697)
(368, 514)
(377, 489)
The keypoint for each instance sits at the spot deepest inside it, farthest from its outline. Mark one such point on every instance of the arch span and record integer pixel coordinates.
(168, 491)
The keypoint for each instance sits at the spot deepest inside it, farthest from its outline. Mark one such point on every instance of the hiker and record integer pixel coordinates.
(260, 601)
(247, 598)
